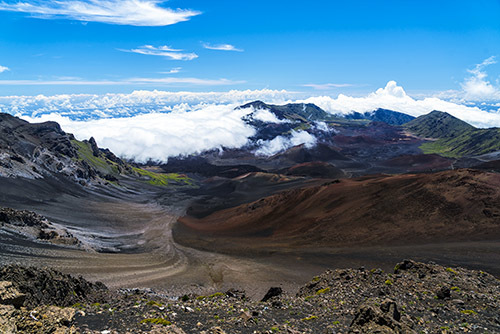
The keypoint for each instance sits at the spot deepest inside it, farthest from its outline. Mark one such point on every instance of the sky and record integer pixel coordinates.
(151, 79)
(118, 46)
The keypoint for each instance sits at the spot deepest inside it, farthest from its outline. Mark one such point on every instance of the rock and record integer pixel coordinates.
(93, 145)
(48, 319)
(7, 321)
(50, 287)
(9, 295)
(443, 293)
(271, 293)
(382, 319)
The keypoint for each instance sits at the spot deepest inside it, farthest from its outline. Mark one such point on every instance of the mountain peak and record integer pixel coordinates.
(437, 124)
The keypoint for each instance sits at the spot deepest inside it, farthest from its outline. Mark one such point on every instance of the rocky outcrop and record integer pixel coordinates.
(50, 287)
(35, 226)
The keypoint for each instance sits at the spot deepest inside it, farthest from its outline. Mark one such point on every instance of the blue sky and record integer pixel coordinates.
(321, 47)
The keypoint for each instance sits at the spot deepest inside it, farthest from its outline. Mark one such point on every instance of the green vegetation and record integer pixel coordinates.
(455, 288)
(450, 270)
(312, 317)
(217, 294)
(153, 303)
(388, 282)
(472, 142)
(100, 163)
(468, 312)
(156, 321)
(322, 291)
(162, 180)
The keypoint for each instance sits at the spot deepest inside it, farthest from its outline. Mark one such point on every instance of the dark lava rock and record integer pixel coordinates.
(443, 293)
(378, 319)
(50, 287)
(271, 293)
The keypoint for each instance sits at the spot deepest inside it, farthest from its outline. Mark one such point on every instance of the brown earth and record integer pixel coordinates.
(450, 206)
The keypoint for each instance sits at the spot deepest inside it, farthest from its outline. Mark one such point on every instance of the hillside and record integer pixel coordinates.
(437, 124)
(467, 143)
(377, 210)
(303, 112)
(383, 115)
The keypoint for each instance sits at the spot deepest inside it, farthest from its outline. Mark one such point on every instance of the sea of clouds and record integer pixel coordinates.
(155, 125)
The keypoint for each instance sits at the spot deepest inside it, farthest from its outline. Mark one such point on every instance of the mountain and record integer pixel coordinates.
(41, 150)
(302, 112)
(37, 150)
(467, 143)
(383, 115)
(437, 124)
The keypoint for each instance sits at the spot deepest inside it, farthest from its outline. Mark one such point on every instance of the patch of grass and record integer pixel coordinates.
(154, 303)
(161, 179)
(388, 282)
(156, 321)
(322, 291)
(455, 288)
(312, 317)
(468, 312)
(100, 163)
(450, 270)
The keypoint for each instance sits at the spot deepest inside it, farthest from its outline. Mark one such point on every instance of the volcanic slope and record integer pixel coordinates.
(451, 206)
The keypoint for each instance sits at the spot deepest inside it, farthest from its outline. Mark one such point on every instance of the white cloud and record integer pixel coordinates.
(327, 86)
(172, 71)
(477, 87)
(131, 81)
(163, 51)
(221, 47)
(266, 116)
(158, 136)
(282, 143)
(88, 106)
(123, 12)
(3, 69)
(394, 97)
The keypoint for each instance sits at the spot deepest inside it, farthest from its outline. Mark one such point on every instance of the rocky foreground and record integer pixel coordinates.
(415, 298)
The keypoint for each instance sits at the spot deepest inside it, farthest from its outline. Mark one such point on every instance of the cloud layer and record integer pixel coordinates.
(157, 136)
(3, 68)
(123, 12)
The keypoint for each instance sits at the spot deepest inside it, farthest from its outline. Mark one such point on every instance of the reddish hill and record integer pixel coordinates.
(458, 205)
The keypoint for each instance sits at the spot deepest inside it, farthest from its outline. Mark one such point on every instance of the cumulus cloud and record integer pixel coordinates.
(221, 47)
(477, 87)
(122, 12)
(394, 97)
(163, 51)
(3, 69)
(157, 136)
(282, 143)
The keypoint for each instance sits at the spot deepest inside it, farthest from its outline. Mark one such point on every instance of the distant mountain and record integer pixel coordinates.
(468, 143)
(438, 124)
(302, 112)
(383, 115)
(455, 138)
